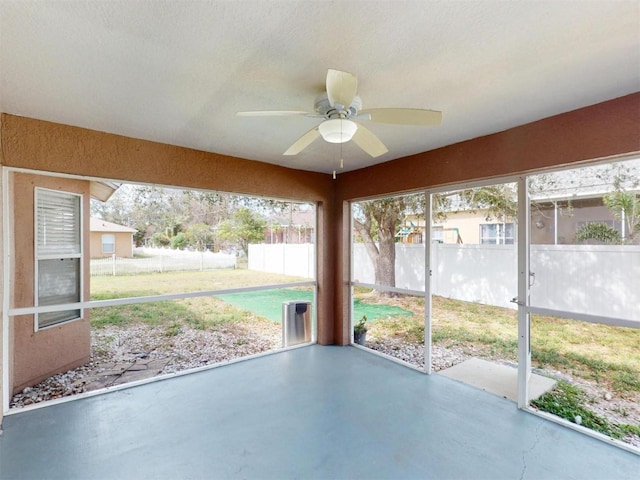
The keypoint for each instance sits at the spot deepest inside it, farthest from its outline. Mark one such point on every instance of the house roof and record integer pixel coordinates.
(99, 225)
(177, 71)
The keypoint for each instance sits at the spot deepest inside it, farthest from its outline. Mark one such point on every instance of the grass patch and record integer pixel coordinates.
(570, 402)
(605, 354)
(610, 355)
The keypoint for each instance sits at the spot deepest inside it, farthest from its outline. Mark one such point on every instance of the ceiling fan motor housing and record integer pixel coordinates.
(324, 108)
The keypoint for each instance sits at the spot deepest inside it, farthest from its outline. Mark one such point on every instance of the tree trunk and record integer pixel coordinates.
(385, 267)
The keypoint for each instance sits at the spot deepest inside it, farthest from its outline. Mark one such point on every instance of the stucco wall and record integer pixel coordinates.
(51, 147)
(602, 130)
(123, 240)
(37, 355)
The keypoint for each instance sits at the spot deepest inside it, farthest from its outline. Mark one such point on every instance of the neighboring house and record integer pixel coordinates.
(562, 203)
(109, 239)
(291, 227)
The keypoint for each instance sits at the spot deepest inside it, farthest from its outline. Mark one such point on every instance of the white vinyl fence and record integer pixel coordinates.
(592, 279)
(296, 259)
(159, 260)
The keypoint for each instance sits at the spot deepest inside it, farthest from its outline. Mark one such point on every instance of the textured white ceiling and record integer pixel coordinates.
(178, 71)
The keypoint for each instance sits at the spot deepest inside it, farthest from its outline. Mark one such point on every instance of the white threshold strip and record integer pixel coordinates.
(158, 378)
(150, 298)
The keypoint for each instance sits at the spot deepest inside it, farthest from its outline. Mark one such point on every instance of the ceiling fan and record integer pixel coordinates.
(340, 108)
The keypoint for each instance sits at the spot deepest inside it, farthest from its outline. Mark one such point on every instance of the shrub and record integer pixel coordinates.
(598, 231)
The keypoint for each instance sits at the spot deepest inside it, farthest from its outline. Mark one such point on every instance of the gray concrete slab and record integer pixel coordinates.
(310, 413)
(497, 378)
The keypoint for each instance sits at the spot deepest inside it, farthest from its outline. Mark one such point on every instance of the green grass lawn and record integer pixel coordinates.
(609, 355)
(268, 303)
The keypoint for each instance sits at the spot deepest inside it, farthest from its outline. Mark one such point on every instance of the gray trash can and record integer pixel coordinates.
(296, 322)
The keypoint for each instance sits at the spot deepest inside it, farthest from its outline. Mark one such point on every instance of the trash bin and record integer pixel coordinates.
(296, 322)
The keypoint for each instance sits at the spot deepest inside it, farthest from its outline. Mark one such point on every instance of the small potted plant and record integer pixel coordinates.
(360, 331)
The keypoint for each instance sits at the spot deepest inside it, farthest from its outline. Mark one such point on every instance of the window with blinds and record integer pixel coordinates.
(58, 254)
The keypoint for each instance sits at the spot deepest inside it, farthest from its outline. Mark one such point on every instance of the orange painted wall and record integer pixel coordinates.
(51, 147)
(602, 130)
(38, 355)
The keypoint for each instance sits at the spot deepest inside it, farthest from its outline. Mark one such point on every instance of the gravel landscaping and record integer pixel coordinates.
(124, 354)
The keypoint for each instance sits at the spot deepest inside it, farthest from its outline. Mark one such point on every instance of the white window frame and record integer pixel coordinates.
(112, 243)
(501, 234)
(39, 256)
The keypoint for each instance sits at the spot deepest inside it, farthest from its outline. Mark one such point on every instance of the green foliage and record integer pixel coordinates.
(159, 239)
(625, 206)
(199, 235)
(360, 327)
(243, 228)
(376, 222)
(168, 210)
(597, 231)
(179, 241)
(570, 402)
(497, 201)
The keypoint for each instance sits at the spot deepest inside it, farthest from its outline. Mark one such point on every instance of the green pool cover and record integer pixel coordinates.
(268, 304)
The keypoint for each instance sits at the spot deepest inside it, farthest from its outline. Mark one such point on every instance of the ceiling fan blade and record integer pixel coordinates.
(404, 116)
(368, 142)
(271, 113)
(303, 142)
(341, 87)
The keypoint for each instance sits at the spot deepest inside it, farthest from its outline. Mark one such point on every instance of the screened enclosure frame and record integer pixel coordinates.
(9, 312)
(523, 300)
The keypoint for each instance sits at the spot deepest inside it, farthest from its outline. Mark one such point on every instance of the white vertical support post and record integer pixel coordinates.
(351, 267)
(427, 285)
(555, 223)
(113, 264)
(524, 321)
(6, 291)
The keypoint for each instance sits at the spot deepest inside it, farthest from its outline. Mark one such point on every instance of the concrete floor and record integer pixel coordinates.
(310, 413)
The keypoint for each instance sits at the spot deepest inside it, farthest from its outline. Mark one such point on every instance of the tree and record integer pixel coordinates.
(377, 222)
(243, 228)
(498, 201)
(199, 235)
(625, 207)
(179, 241)
(159, 239)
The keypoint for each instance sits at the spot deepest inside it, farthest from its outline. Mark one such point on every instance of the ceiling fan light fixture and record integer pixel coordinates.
(337, 130)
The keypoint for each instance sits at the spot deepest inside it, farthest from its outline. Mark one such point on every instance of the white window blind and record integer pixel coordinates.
(58, 223)
(58, 254)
